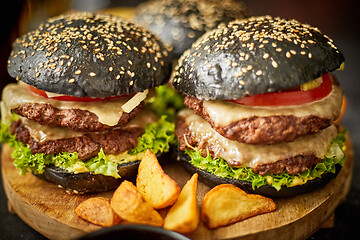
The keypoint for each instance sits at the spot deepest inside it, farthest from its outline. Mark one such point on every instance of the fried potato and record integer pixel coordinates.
(98, 211)
(130, 205)
(154, 184)
(184, 215)
(226, 204)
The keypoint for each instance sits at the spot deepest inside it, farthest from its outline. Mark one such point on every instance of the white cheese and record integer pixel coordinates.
(248, 155)
(134, 101)
(223, 113)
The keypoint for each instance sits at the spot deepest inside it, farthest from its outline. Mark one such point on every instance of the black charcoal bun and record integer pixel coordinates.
(179, 23)
(87, 182)
(212, 180)
(89, 55)
(253, 56)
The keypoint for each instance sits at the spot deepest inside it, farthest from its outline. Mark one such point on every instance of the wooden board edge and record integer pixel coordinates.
(48, 226)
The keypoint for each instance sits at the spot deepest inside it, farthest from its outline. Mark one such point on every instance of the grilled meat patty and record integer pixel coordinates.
(262, 130)
(114, 141)
(74, 119)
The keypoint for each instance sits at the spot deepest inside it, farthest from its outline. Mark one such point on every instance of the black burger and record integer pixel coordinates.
(262, 105)
(179, 23)
(77, 116)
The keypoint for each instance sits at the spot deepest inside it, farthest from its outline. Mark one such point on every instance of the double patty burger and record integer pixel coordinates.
(262, 106)
(77, 116)
(179, 23)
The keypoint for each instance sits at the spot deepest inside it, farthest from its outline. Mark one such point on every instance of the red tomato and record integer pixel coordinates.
(72, 98)
(292, 97)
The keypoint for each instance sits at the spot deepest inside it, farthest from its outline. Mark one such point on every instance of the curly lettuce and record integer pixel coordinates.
(158, 137)
(167, 102)
(219, 167)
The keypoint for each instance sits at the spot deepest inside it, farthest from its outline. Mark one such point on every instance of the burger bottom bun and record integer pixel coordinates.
(212, 180)
(88, 182)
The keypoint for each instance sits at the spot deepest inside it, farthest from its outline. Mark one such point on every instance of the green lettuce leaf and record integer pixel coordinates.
(221, 168)
(166, 102)
(158, 136)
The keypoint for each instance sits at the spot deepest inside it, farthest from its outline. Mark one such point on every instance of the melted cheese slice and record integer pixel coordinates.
(109, 114)
(224, 113)
(248, 155)
(43, 133)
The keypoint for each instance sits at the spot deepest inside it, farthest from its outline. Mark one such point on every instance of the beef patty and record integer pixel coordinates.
(262, 130)
(74, 119)
(113, 141)
(292, 165)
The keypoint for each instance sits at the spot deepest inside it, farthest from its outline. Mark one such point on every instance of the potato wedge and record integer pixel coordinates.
(130, 205)
(154, 184)
(184, 215)
(98, 211)
(226, 204)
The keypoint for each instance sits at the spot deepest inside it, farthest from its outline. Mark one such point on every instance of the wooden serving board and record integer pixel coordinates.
(50, 210)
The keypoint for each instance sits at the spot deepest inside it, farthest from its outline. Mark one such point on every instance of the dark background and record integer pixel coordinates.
(337, 19)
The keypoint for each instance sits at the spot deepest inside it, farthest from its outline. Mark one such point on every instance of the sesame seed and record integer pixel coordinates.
(71, 80)
(131, 82)
(238, 74)
(259, 72)
(110, 69)
(274, 64)
(310, 55)
(92, 74)
(77, 72)
(266, 55)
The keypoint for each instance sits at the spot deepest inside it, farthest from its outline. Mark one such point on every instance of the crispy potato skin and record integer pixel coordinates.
(226, 204)
(183, 216)
(154, 184)
(97, 210)
(130, 205)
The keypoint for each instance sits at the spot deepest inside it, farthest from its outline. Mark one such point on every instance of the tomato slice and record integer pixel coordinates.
(292, 97)
(73, 98)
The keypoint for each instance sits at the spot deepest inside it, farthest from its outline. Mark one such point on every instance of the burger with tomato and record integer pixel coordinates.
(78, 116)
(261, 107)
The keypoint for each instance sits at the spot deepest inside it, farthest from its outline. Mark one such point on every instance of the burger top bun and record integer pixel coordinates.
(253, 56)
(89, 55)
(179, 23)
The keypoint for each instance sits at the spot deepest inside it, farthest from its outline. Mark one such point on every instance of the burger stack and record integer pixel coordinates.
(261, 106)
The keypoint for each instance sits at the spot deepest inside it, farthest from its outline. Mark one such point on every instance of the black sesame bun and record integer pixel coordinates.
(179, 23)
(268, 54)
(83, 81)
(89, 55)
(266, 148)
